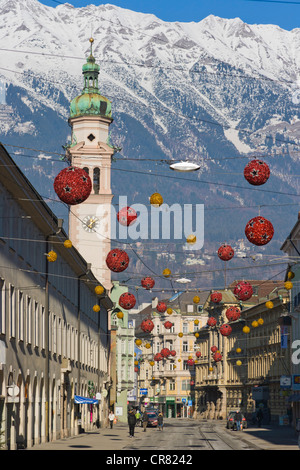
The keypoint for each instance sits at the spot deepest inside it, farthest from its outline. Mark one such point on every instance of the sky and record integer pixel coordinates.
(284, 13)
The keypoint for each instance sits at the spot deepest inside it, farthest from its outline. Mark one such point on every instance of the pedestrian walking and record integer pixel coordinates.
(145, 420)
(131, 422)
(138, 417)
(259, 416)
(238, 419)
(160, 421)
(111, 418)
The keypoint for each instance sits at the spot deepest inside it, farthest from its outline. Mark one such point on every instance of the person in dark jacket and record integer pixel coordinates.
(160, 421)
(131, 422)
(238, 419)
(145, 420)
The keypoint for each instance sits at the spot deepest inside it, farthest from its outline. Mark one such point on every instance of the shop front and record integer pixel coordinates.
(171, 407)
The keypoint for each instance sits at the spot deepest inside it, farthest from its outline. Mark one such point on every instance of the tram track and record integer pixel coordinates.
(216, 441)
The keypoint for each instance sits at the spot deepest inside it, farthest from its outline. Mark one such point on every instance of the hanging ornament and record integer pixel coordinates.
(196, 299)
(169, 311)
(147, 283)
(120, 315)
(238, 362)
(67, 244)
(291, 275)
(288, 285)
(214, 349)
(225, 252)
(217, 356)
(51, 256)
(260, 321)
(96, 308)
(117, 260)
(259, 231)
(127, 216)
(151, 363)
(167, 272)
(238, 350)
(147, 325)
(73, 185)
(156, 200)
(180, 335)
(254, 324)
(233, 313)
(147, 345)
(225, 329)
(168, 325)
(257, 172)
(211, 321)
(191, 239)
(138, 342)
(246, 329)
(243, 290)
(173, 353)
(161, 307)
(127, 301)
(99, 290)
(269, 304)
(165, 352)
(216, 297)
(210, 369)
(196, 334)
(198, 354)
(196, 322)
(190, 362)
(136, 369)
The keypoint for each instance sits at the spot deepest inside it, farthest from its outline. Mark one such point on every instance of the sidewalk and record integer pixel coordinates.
(269, 437)
(98, 439)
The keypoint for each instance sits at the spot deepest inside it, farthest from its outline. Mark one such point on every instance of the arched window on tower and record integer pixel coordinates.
(96, 180)
(91, 82)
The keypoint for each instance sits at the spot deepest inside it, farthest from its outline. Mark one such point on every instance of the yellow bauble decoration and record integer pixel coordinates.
(196, 299)
(238, 363)
(169, 311)
(269, 304)
(238, 350)
(197, 335)
(67, 244)
(260, 321)
(210, 368)
(151, 363)
(288, 285)
(196, 322)
(120, 315)
(96, 308)
(291, 275)
(246, 329)
(156, 200)
(136, 363)
(147, 346)
(166, 272)
(191, 239)
(174, 367)
(190, 357)
(254, 324)
(180, 335)
(138, 342)
(99, 290)
(51, 256)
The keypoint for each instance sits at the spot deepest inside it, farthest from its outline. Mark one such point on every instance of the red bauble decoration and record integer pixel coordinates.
(192, 382)
(117, 260)
(216, 297)
(147, 325)
(225, 329)
(161, 307)
(127, 301)
(225, 252)
(190, 362)
(168, 325)
(214, 349)
(136, 369)
(233, 313)
(217, 357)
(165, 352)
(73, 185)
(147, 282)
(211, 321)
(126, 216)
(259, 231)
(257, 172)
(158, 357)
(198, 354)
(243, 291)
(173, 353)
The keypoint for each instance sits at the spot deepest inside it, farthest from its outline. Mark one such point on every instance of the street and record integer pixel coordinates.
(179, 434)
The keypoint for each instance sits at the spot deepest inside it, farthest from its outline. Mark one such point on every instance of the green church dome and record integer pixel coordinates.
(90, 102)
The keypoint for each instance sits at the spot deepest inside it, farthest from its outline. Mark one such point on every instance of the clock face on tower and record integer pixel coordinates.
(90, 223)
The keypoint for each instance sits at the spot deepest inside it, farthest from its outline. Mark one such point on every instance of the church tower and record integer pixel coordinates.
(89, 222)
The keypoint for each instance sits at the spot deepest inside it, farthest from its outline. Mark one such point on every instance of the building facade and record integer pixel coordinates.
(54, 347)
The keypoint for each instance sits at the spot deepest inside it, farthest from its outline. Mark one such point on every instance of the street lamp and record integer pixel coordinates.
(184, 166)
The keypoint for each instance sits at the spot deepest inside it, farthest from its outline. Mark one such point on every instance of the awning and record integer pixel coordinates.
(294, 397)
(83, 400)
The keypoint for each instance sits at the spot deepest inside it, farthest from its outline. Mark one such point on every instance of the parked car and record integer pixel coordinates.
(231, 421)
(152, 421)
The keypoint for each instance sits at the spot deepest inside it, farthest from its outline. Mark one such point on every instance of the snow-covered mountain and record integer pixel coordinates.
(213, 92)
